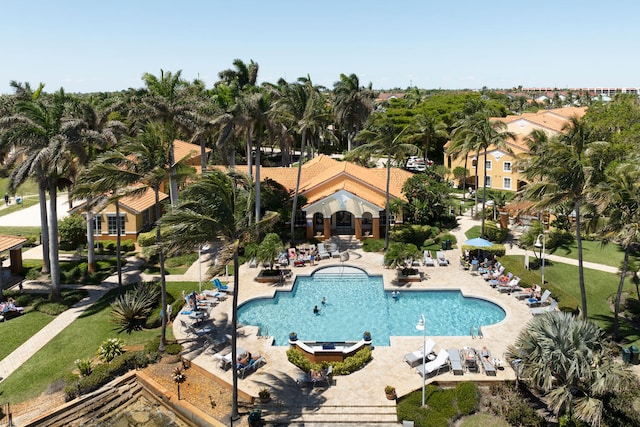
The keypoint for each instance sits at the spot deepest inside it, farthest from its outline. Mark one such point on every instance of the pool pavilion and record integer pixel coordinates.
(342, 198)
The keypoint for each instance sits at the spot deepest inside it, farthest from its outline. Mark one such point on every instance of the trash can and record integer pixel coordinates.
(443, 245)
(448, 242)
(626, 355)
(635, 354)
(255, 418)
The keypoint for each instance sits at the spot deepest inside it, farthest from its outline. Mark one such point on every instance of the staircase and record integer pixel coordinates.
(275, 414)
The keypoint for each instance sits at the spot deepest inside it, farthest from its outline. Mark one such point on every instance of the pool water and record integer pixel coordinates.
(356, 302)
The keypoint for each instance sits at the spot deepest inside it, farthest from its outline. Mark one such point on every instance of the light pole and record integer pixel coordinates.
(421, 326)
(541, 245)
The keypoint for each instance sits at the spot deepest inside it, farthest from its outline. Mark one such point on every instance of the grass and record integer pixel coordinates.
(81, 339)
(483, 420)
(28, 188)
(593, 251)
(14, 207)
(175, 264)
(20, 231)
(562, 280)
(19, 329)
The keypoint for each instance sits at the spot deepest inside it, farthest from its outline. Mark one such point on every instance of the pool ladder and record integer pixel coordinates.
(480, 334)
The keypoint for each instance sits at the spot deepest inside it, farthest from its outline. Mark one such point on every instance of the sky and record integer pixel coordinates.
(95, 46)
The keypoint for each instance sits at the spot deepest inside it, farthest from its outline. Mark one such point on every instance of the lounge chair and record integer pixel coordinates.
(464, 264)
(322, 251)
(415, 358)
(470, 359)
(427, 260)
(454, 360)
(333, 250)
(435, 367)
(253, 366)
(220, 286)
(214, 345)
(487, 363)
(535, 302)
(512, 286)
(194, 331)
(541, 310)
(495, 274)
(442, 260)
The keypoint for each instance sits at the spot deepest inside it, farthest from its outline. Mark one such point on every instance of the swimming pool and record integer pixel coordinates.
(356, 302)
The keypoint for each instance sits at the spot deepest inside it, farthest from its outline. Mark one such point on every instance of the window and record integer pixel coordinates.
(506, 183)
(146, 218)
(97, 225)
(488, 164)
(112, 225)
(487, 181)
(506, 166)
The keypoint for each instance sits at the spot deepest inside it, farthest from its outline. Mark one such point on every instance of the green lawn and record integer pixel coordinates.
(21, 231)
(80, 340)
(19, 329)
(29, 188)
(592, 251)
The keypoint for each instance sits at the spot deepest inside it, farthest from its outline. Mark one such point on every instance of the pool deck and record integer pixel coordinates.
(364, 387)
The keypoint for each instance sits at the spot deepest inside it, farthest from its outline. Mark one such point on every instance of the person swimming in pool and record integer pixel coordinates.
(395, 295)
(316, 310)
(324, 300)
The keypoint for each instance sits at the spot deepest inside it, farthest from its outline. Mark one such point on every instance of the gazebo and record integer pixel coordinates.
(13, 245)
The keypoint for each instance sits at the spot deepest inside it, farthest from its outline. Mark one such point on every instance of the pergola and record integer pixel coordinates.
(12, 244)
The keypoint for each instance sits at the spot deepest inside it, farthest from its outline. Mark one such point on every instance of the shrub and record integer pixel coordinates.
(84, 366)
(372, 245)
(147, 239)
(32, 274)
(72, 231)
(50, 308)
(347, 366)
(110, 348)
(173, 348)
(130, 311)
(128, 245)
(467, 397)
(493, 233)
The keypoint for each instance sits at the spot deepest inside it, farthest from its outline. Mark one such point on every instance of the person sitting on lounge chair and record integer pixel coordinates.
(486, 355)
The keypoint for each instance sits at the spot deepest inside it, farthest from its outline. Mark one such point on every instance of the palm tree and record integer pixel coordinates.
(619, 198)
(224, 214)
(565, 177)
(428, 127)
(352, 105)
(170, 101)
(45, 142)
(146, 160)
(302, 110)
(98, 133)
(382, 138)
(567, 359)
(487, 133)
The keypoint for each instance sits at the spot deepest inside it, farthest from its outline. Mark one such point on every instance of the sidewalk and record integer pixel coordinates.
(30, 217)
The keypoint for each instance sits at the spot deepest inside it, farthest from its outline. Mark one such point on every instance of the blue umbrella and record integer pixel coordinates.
(478, 242)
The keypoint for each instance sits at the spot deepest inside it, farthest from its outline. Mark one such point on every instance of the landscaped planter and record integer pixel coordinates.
(271, 276)
(413, 276)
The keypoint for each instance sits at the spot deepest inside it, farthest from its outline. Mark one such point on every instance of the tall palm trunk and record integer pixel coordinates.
(258, 179)
(295, 194)
(173, 180)
(484, 193)
(53, 242)
(475, 207)
(249, 157)
(623, 274)
(44, 225)
(234, 333)
(91, 253)
(583, 292)
(464, 179)
(203, 155)
(163, 283)
(118, 246)
(387, 205)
